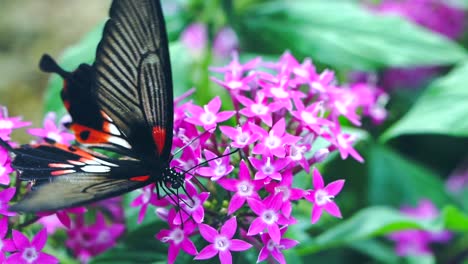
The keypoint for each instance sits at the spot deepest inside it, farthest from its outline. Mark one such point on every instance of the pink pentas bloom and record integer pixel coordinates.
(343, 142)
(86, 241)
(30, 252)
(62, 216)
(417, 242)
(225, 42)
(218, 167)
(322, 196)
(178, 237)
(5, 197)
(288, 193)
(146, 198)
(5, 167)
(7, 124)
(273, 249)
(274, 141)
(259, 108)
(52, 131)
(191, 205)
(269, 217)
(222, 242)
(269, 168)
(195, 39)
(241, 136)
(235, 69)
(6, 244)
(233, 84)
(245, 188)
(209, 116)
(296, 154)
(312, 116)
(343, 102)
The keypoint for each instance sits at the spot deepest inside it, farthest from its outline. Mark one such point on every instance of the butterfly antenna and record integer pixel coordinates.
(206, 161)
(48, 64)
(193, 140)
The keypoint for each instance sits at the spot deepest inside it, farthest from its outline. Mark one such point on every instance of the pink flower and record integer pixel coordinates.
(6, 244)
(344, 143)
(236, 70)
(222, 242)
(268, 168)
(219, 167)
(86, 241)
(146, 198)
(260, 108)
(273, 141)
(178, 237)
(7, 124)
(5, 167)
(192, 205)
(62, 216)
(271, 248)
(30, 252)
(416, 242)
(208, 116)
(244, 188)
(5, 197)
(51, 131)
(225, 42)
(268, 218)
(322, 196)
(241, 136)
(195, 38)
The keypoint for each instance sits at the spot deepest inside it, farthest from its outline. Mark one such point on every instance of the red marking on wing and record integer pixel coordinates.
(65, 98)
(140, 178)
(159, 137)
(93, 136)
(59, 165)
(61, 172)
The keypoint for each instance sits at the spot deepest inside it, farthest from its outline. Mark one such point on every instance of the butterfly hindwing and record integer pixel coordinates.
(133, 74)
(69, 176)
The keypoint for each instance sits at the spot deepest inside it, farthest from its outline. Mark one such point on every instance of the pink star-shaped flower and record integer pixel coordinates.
(178, 237)
(322, 196)
(6, 244)
(146, 198)
(241, 136)
(260, 108)
(208, 116)
(344, 142)
(244, 188)
(222, 242)
(51, 131)
(271, 248)
(219, 167)
(30, 252)
(192, 205)
(7, 124)
(5, 167)
(268, 168)
(5, 197)
(273, 141)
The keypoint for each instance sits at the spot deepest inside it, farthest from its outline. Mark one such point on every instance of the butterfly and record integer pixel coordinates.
(122, 103)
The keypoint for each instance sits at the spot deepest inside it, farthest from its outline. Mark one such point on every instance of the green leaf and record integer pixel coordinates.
(377, 221)
(394, 180)
(441, 109)
(344, 34)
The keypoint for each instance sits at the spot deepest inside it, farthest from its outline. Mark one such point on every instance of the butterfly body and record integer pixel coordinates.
(122, 103)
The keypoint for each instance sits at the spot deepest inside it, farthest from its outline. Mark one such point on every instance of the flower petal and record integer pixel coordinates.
(46, 258)
(335, 187)
(332, 209)
(207, 253)
(239, 245)
(317, 179)
(225, 257)
(256, 227)
(207, 232)
(278, 255)
(236, 202)
(229, 228)
(316, 213)
(172, 253)
(40, 240)
(188, 246)
(274, 232)
(20, 240)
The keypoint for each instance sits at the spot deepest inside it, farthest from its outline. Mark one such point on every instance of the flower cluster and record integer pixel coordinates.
(286, 120)
(416, 242)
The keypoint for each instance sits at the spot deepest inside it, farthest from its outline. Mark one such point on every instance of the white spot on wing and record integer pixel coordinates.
(95, 168)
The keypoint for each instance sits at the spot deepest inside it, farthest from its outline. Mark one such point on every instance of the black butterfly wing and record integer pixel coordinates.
(133, 76)
(66, 177)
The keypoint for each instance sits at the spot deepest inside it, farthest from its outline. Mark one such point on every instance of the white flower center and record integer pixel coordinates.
(242, 138)
(29, 254)
(2, 170)
(301, 72)
(269, 217)
(322, 197)
(234, 85)
(279, 92)
(177, 236)
(220, 169)
(54, 136)
(272, 141)
(342, 141)
(317, 86)
(208, 117)
(245, 188)
(308, 117)
(259, 109)
(285, 190)
(296, 152)
(6, 124)
(103, 237)
(268, 169)
(222, 243)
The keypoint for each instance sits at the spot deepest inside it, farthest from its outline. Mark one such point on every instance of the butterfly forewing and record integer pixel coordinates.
(133, 74)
